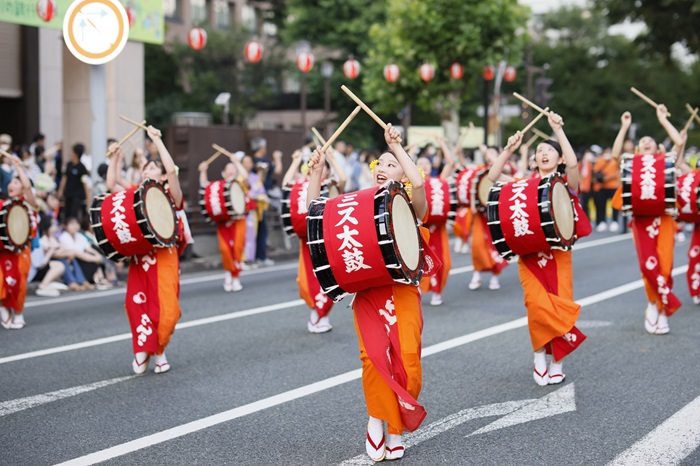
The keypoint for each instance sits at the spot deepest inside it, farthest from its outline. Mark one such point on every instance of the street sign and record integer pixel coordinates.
(95, 31)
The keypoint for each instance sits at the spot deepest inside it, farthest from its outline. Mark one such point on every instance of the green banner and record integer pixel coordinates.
(147, 16)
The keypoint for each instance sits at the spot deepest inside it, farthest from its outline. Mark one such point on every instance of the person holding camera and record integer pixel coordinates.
(606, 180)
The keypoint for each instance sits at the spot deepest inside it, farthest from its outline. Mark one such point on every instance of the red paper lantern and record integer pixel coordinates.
(197, 38)
(253, 51)
(488, 72)
(391, 73)
(305, 61)
(456, 70)
(509, 74)
(351, 68)
(131, 15)
(46, 9)
(426, 72)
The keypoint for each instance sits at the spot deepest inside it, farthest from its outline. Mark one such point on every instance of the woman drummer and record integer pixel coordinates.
(389, 322)
(656, 248)
(16, 265)
(309, 287)
(547, 277)
(439, 238)
(232, 233)
(153, 285)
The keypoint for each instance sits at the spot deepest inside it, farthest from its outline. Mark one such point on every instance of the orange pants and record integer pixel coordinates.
(664, 248)
(549, 315)
(382, 402)
(482, 249)
(17, 267)
(440, 243)
(231, 243)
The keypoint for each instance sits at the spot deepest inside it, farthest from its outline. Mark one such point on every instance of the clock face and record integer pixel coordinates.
(95, 31)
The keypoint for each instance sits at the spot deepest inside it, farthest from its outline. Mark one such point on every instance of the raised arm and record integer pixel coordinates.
(411, 171)
(496, 171)
(115, 162)
(168, 165)
(318, 160)
(670, 129)
(26, 184)
(242, 172)
(203, 178)
(449, 159)
(339, 172)
(568, 153)
(626, 122)
(293, 168)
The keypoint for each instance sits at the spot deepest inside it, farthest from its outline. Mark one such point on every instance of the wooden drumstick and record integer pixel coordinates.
(533, 105)
(647, 100)
(364, 107)
(318, 135)
(531, 140)
(223, 151)
(535, 120)
(540, 133)
(690, 109)
(141, 125)
(337, 132)
(693, 115)
(213, 157)
(126, 138)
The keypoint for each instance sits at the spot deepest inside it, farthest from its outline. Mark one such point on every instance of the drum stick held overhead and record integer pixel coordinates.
(126, 138)
(533, 105)
(337, 132)
(213, 157)
(318, 135)
(535, 120)
(364, 106)
(540, 133)
(141, 125)
(531, 140)
(218, 148)
(647, 100)
(694, 114)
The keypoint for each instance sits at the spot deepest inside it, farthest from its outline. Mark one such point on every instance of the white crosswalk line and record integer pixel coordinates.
(668, 444)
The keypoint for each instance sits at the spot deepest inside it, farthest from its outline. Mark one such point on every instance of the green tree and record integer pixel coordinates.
(593, 72)
(440, 32)
(667, 21)
(182, 79)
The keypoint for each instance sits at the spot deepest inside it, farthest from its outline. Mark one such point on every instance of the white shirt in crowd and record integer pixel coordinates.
(79, 243)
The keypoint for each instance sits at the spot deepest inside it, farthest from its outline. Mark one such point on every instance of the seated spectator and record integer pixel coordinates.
(72, 243)
(44, 268)
(89, 258)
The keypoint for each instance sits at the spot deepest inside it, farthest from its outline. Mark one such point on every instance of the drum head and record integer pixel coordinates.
(18, 224)
(237, 197)
(563, 211)
(160, 212)
(405, 232)
(483, 190)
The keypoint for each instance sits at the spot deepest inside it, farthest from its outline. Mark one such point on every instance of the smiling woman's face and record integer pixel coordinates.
(387, 168)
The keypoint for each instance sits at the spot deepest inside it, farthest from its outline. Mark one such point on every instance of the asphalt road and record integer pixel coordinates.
(250, 386)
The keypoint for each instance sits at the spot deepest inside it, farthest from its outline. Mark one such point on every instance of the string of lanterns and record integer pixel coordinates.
(253, 52)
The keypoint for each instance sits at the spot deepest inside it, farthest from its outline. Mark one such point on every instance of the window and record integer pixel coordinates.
(171, 9)
(199, 11)
(248, 18)
(222, 14)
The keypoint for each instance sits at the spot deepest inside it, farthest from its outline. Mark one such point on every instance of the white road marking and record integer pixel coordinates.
(515, 412)
(20, 404)
(226, 416)
(127, 336)
(558, 402)
(669, 444)
(592, 323)
(120, 291)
